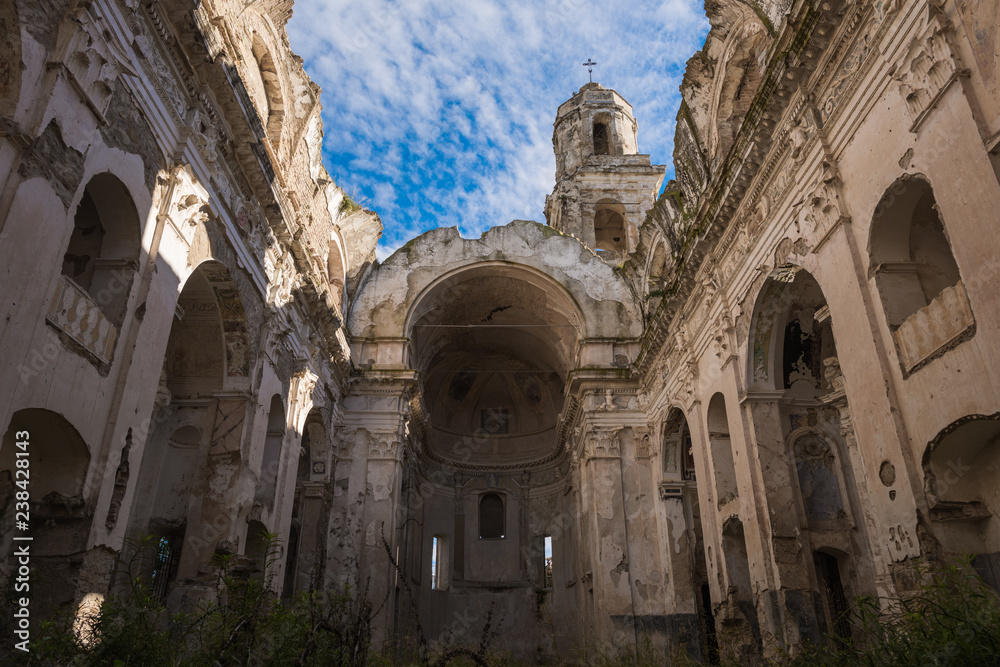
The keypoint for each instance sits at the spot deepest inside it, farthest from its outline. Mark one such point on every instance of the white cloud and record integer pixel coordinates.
(439, 112)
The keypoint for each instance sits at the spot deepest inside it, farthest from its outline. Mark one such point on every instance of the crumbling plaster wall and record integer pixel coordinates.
(385, 300)
(804, 192)
(162, 114)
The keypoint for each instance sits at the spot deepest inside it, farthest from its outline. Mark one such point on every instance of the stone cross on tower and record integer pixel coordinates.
(590, 68)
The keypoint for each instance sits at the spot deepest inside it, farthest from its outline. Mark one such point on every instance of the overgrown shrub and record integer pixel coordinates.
(247, 625)
(953, 618)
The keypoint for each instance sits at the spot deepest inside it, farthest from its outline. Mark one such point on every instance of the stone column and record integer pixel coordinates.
(601, 471)
(789, 612)
(368, 496)
(878, 573)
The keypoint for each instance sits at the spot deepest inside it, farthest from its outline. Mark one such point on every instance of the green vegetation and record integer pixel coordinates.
(952, 618)
(246, 625)
(348, 205)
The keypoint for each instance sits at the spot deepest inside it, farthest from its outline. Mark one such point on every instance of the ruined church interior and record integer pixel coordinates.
(688, 414)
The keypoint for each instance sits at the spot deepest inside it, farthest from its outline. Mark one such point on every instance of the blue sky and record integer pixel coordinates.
(439, 113)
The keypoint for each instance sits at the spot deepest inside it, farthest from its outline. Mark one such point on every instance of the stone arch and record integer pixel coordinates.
(102, 256)
(791, 335)
(494, 344)
(55, 447)
(658, 266)
(797, 400)
(909, 249)
(337, 268)
(676, 445)
(963, 496)
(689, 564)
(198, 429)
(215, 282)
(723, 464)
(269, 98)
(736, 84)
(270, 463)
(599, 301)
(448, 289)
(257, 547)
(610, 229)
(915, 273)
(56, 480)
(305, 547)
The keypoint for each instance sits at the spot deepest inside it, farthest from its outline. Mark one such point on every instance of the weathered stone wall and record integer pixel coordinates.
(737, 422)
(208, 218)
(841, 121)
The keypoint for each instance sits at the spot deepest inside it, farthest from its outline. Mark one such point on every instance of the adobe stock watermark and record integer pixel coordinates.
(21, 577)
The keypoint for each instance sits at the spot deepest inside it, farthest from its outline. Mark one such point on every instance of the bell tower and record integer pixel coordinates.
(604, 187)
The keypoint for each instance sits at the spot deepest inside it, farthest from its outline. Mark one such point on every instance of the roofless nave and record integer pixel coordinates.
(710, 417)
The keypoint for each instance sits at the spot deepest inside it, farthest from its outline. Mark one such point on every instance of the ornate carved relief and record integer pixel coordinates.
(722, 338)
(384, 445)
(822, 209)
(284, 281)
(93, 61)
(156, 66)
(603, 442)
(927, 69)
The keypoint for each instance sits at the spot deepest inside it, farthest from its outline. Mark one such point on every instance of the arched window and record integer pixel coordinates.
(675, 439)
(56, 479)
(269, 100)
(960, 484)
(440, 563)
(257, 546)
(103, 252)
(915, 272)
(609, 227)
(491, 517)
(270, 462)
(602, 140)
(722, 450)
(910, 252)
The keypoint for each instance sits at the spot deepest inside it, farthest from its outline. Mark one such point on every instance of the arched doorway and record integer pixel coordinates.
(43, 457)
(493, 346)
(961, 487)
(796, 400)
(197, 431)
(689, 564)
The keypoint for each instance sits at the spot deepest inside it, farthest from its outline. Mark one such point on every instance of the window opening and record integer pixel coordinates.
(491, 517)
